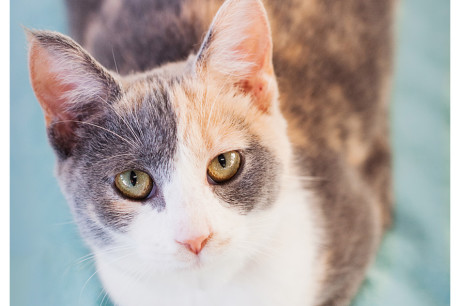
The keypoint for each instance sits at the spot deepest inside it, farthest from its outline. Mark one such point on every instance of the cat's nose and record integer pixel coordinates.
(195, 244)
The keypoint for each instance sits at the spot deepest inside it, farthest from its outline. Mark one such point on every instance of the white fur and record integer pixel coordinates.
(280, 270)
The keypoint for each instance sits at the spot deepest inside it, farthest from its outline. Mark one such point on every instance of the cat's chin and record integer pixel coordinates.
(191, 263)
(207, 270)
(183, 263)
(203, 264)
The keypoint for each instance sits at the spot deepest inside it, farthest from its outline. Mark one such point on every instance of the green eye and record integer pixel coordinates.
(224, 166)
(134, 184)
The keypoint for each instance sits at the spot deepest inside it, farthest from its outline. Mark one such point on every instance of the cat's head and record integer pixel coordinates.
(178, 167)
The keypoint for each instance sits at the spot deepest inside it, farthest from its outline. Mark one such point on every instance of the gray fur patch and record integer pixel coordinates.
(162, 33)
(143, 139)
(256, 185)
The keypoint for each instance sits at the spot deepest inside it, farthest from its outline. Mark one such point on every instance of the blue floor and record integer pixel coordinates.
(412, 269)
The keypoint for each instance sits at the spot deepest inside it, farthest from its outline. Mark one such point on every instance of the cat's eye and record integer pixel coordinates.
(224, 166)
(134, 184)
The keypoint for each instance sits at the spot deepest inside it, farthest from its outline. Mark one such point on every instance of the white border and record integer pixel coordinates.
(5, 151)
(454, 151)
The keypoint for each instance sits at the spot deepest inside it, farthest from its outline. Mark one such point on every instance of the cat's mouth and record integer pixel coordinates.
(193, 261)
(207, 259)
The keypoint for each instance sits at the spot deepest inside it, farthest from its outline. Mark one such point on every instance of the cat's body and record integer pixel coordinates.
(301, 222)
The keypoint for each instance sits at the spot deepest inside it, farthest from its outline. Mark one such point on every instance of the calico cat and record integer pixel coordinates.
(246, 164)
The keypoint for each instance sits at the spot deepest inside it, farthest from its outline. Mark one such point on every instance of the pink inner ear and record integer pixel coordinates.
(242, 46)
(258, 48)
(48, 85)
(259, 88)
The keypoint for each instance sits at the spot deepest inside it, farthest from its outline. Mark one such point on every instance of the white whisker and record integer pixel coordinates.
(100, 127)
(122, 119)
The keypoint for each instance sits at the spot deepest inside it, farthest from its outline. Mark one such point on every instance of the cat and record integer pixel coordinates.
(222, 153)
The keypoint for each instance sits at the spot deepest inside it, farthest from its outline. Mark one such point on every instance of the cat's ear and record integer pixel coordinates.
(238, 49)
(69, 84)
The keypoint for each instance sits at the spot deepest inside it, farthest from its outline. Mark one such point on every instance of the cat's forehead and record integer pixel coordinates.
(206, 115)
(141, 125)
(211, 114)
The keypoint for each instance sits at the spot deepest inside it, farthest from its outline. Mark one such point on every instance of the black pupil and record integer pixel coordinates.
(133, 178)
(222, 161)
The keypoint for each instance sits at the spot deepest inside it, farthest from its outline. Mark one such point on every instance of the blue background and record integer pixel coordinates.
(48, 266)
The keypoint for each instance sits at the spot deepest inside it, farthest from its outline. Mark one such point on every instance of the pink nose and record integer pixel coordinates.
(195, 244)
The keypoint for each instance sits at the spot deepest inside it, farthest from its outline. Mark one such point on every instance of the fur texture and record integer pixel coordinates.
(301, 220)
